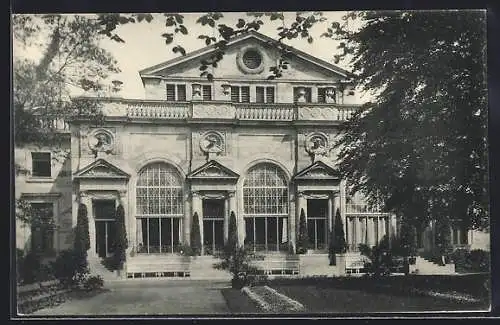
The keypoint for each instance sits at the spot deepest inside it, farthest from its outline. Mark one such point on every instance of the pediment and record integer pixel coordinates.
(101, 169)
(303, 66)
(213, 170)
(317, 171)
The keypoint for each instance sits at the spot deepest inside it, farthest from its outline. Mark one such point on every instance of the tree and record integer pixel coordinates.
(406, 242)
(338, 244)
(232, 238)
(303, 238)
(420, 147)
(120, 244)
(82, 239)
(195, 235)
(443, 239)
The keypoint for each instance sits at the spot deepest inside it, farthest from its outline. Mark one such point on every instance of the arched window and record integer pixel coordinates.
(265, 208)
(159, 209)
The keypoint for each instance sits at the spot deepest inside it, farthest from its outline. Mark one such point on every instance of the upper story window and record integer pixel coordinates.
(326, 95)
(40, 164)
(302, 94)
(176, 92)
(264, 94)
(240, 94)
(207, 92)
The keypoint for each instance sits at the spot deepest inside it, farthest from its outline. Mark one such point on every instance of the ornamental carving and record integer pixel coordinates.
(101, 140)
(212, 144)
(317, 145)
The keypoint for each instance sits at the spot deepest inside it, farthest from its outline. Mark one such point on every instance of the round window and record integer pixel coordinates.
(252, 59)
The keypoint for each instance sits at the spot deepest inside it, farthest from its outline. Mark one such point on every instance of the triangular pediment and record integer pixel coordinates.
(101, 169)
(302, 64)
(316, 171)
(213, 170)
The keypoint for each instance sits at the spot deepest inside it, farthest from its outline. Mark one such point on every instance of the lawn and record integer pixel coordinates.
(239, 303)
(318, 299)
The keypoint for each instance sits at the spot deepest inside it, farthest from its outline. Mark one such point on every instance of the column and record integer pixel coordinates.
(129, 228)
(330, 215)
(301, 204)
(359, 233)
(188, 214)
(342, 203)
(369, 232)
(292, 238)
(87, 200)
(227, 213)
(239, 218)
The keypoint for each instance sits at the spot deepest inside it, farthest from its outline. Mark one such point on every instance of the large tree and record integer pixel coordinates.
(420, 146)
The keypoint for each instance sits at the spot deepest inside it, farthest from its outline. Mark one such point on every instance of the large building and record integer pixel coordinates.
(242, 143)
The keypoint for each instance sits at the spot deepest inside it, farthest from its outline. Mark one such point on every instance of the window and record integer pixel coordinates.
(42, 229)
(207, 92)
(41, 164)
(322, 94)
(365, 224)
(265, 205)
(302, 91)
(252, 59)
(264, 94)
(458, 235)
(160, 207)
(240, 94)
(176, 92)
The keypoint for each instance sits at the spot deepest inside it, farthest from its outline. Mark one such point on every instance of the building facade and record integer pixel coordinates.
(242, 143)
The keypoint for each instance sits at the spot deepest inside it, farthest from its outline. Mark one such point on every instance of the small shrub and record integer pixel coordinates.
(68, 269)
(471, 261)
(303, 239)
(195, 235)
(30, 268)
(92, 283)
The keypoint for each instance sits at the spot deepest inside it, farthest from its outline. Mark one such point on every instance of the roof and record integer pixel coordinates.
(213, 170)
(101, 169)
(318, 171)
(237, 39)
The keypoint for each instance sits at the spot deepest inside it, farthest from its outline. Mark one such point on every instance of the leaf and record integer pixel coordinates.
(183, 29)
(310, 39)
(210, 77)
(211, 23)
(240, 23)
(271, 77)
(203, 67)
(208, 41)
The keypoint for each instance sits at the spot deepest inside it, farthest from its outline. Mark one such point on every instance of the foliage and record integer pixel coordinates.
(303, 238)
(380, 257)
(93, 282)
(120, 244)
(443, 246)
(71, 58)
(469, 261)
(338, 244)
(405, 244)
(195, 235)
(68, 268)
(30, 268)
(235, 258)
(421, 146)
(27, 217)
(81, 241)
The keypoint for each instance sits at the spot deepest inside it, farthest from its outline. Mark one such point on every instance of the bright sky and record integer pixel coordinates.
(144, 46)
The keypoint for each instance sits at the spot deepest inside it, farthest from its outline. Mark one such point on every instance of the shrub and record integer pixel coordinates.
(81, 241)
(30, 268)
(93, 282)
(471, 261)
(195, 235)
(338, 244)
(443, 239)
(120, 244)
(303, 239)
(67, 267)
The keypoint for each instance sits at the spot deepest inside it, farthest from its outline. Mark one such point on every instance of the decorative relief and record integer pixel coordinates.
(316, 145)
(101, 140)
(213, 144)
(317, 113)
(220, 111)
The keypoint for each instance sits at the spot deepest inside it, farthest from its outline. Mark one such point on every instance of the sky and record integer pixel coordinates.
(144, 46)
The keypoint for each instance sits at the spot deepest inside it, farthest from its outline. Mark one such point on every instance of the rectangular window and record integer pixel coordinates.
(41, 164)
(298, 92)
(42, 229)
(240, 94)
(321, 95)
(264, 94)
(176, 92)
(207, 92)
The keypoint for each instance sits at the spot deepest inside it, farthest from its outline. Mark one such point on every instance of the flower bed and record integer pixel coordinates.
(269, 300)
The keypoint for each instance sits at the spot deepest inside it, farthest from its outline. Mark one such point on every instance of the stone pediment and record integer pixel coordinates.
(101, 169)
(213, 170)
(302, 65)
(316, 171)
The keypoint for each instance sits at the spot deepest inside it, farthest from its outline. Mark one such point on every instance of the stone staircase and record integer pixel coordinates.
(97, 268)
(424, 266)
(202, 268)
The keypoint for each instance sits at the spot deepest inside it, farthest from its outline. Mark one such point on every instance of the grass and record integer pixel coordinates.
(318, 299)
(239, 303)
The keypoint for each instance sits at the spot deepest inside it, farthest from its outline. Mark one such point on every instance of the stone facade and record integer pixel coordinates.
(212, 144)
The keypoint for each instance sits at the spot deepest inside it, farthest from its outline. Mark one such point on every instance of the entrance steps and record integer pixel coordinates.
(97, 267)
(425, 267)
(202, 268)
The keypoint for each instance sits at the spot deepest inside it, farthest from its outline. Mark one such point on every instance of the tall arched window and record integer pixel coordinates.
(265, 208)
(160, 208)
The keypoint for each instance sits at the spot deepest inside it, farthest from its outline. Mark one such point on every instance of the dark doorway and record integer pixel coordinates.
(213, 225)
(317, 226)
(104, 213)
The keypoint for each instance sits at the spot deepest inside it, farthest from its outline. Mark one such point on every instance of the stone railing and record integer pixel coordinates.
(56, 124)
(270, 112)
(157, 110)
(226, 110)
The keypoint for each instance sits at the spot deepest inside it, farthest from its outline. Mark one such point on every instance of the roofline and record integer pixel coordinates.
(147, 72)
